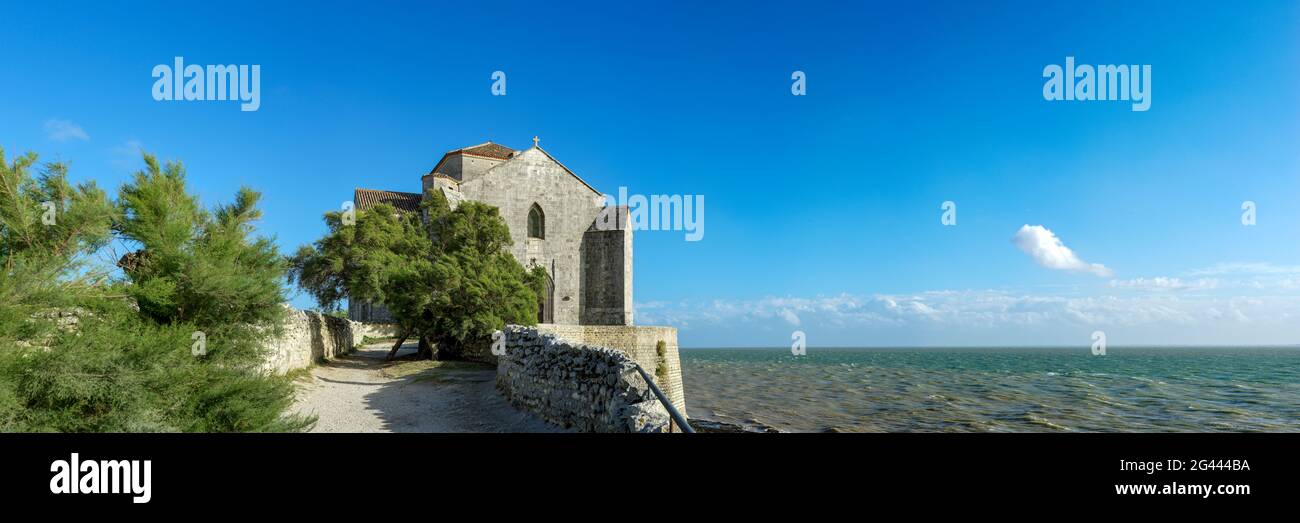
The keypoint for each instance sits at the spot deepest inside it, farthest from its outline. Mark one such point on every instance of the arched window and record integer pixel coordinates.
(536, 222)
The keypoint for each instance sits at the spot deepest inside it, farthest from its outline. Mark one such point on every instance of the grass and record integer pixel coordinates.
(302, 374)
(429, 370)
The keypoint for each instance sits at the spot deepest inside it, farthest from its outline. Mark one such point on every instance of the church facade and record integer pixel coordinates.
(557, 221)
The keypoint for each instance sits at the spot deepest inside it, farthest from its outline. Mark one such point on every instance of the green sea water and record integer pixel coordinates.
(1148, 389)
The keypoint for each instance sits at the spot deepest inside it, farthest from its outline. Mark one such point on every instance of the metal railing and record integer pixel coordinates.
(674, 416)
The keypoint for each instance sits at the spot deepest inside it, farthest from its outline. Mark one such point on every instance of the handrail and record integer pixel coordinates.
(672, 411)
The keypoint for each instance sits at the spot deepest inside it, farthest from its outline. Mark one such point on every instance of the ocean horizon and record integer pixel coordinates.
(1000, 347)
(998, 389)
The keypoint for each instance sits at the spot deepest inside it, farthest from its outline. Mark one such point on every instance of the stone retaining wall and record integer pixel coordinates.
(638, 341)
(591, 389)
(310, 337)
(362, 330)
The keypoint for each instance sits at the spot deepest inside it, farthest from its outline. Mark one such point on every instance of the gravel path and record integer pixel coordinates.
(361, 392)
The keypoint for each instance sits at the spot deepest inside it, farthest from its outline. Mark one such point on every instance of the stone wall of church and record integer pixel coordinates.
(368, 312)
(569, 207)
(607, 277)
(463, 167)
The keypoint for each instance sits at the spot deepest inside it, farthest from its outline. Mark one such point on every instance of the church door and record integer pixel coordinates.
(546, 309)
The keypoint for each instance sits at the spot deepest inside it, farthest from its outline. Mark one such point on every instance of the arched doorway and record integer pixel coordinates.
(546, 309)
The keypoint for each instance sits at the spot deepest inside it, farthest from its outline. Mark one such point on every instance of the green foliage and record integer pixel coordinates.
(42, 263)
(444, 274)
(355, 261)
(120, 374)
(478, 286)
(200, 268)
(78, 214)
(661, 361)
(337, 313)
(81, 352)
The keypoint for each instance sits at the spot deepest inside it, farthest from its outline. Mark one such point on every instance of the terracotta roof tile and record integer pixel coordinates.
(489, 149)
(403, 201)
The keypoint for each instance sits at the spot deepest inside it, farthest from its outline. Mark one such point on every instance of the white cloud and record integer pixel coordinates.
(790, 317)
(1047, 250)
(1246, 268)
(126, 155)
(1260, 276)
(1162, 283)
(984, 317)
(64, 130)
(1250, 303)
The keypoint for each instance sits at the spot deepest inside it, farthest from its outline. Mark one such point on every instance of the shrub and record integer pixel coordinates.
(81, 351)
(443, 274)
(661, 365)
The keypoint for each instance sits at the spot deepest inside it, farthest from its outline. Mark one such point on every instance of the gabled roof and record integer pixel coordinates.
(566, 169)
(402, 201)
(486, 149)
(500, 152)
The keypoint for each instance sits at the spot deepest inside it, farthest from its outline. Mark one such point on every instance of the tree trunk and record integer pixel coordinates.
(400, 340)
(444, 350)
(426, 349)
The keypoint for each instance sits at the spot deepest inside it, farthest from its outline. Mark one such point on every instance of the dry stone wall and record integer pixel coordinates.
(309, 337)
(641, 343)
(588, 388)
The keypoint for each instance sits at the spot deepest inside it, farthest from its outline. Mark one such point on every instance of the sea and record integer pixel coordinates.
(1050, 389)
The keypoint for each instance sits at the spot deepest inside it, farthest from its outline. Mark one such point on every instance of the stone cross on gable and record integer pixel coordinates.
(535, 140)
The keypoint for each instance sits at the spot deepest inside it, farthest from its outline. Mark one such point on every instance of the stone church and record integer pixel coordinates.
(552, 215)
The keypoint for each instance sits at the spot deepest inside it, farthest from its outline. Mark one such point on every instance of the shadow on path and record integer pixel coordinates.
(361, 392)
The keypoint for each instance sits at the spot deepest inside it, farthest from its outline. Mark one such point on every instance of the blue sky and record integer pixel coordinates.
(822, 211)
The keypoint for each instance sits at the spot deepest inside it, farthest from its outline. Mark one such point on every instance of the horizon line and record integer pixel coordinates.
(1135, 346)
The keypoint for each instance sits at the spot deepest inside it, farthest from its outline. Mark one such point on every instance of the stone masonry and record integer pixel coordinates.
(587, 388)
(639, 343)
(310, 337)
(589, 265)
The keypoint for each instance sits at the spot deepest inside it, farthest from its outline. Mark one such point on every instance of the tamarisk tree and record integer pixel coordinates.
(445, 275)
(83, 348)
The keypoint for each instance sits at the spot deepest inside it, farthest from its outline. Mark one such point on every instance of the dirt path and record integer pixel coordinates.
(361, 392)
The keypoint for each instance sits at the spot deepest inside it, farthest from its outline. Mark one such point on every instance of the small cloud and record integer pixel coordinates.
(1247, 268)
(64, 130)
(790, 317)
(126, 155)
(1047, 250)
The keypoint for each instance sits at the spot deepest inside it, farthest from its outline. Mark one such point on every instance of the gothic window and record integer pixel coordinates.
(536, 222)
